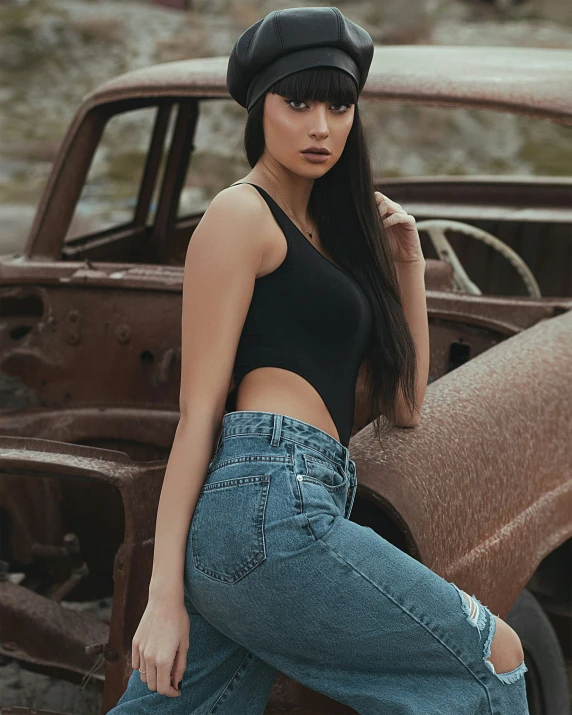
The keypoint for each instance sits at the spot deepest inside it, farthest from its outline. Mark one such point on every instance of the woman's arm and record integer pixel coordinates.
(223, 258)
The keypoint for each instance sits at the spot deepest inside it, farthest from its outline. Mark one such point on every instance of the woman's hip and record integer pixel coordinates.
(270, 476)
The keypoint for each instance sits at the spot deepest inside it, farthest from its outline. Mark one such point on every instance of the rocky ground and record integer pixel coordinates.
(52, 52)
(24, 688)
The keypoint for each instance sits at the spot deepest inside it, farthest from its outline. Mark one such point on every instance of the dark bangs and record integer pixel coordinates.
(318, 84)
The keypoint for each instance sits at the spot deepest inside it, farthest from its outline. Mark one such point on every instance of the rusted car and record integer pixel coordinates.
(480, 491)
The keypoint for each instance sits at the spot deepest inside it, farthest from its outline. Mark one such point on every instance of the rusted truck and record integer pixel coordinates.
(480, 491)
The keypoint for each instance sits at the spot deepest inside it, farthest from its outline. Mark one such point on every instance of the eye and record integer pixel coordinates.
(301, 101)
(342, 105)
(288, 101)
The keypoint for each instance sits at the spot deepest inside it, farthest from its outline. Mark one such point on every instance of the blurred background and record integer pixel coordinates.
(52, 52)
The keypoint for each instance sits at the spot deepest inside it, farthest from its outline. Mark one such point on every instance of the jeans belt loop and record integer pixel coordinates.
(276, 430)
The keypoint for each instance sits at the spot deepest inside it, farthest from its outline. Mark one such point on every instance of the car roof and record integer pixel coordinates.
(534, 81)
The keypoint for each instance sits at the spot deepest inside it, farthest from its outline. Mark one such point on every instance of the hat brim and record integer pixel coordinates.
(300, 60)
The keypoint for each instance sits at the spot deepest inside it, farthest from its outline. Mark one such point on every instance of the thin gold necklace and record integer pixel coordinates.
(289, 209)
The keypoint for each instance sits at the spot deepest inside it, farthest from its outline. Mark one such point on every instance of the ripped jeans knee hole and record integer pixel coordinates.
(476, 614)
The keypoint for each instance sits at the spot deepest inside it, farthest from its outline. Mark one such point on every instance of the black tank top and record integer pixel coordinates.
(310, 317)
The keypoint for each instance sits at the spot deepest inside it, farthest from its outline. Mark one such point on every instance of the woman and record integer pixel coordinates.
(295, 276)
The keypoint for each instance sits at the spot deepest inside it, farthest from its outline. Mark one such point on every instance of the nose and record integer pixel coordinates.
(320, 120)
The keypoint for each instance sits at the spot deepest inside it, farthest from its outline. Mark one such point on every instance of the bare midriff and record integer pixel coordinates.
(274, 389)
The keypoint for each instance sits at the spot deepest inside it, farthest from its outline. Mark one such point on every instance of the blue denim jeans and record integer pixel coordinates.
(278, 578)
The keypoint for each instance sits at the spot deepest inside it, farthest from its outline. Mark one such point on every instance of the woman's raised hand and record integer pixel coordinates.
(160, 644)
(401, 230)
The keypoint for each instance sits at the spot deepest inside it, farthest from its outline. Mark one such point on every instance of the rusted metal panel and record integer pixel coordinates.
(139, 486)
(65, 325)
(521, 80)
(526, 80)
(38, 630)
(476, 511)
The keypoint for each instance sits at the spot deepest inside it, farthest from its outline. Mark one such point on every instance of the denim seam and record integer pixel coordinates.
(387, 595)
(247, 460)
(303, 513)
(305, 445)
(350, 500)
(285, 439)
(319, 482)
(233, 677)
(310, 527)
(235, 482)
(331, 463)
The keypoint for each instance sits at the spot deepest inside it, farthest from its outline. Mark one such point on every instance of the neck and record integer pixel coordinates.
(294, 189)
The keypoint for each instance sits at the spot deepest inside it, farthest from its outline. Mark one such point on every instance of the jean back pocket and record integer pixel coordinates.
(227, 536)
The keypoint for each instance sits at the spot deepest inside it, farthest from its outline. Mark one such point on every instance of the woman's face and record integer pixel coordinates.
(292, 125)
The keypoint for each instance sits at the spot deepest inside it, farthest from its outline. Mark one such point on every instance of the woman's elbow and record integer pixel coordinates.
(411, 421)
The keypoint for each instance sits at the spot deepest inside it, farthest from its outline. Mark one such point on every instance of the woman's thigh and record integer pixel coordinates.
(335, 606)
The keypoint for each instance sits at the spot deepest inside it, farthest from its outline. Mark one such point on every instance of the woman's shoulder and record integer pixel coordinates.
(240, 214)
(241, 199)
(240, 207)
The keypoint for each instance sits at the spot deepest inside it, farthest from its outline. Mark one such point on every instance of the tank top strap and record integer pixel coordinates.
(287, 225)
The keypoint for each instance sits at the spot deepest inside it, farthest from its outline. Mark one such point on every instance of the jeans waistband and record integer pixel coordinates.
(276, 426)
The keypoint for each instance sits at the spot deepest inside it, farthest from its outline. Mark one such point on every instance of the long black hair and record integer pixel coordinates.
(342, 205)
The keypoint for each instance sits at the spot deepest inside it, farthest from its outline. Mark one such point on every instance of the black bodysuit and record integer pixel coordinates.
(310, 317)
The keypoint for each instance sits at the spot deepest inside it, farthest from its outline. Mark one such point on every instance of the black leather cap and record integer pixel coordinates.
(293, 39)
